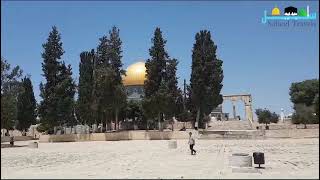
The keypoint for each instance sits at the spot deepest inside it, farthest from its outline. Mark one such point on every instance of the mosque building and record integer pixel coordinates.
(134, 81)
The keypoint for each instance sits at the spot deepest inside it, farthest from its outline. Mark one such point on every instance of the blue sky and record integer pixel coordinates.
(258, 59)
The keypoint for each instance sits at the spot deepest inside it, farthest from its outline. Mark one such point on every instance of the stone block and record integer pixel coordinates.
(240, 160)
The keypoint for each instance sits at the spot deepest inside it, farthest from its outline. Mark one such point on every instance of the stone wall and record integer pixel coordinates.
(116, 136)
(292, 133)
(16, 138)
(167, 135)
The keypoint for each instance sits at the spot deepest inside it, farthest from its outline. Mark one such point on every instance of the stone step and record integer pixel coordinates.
(229, 125)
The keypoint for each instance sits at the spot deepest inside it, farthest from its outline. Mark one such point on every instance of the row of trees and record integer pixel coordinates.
(101, 94)
(18, 104)
(305, 98)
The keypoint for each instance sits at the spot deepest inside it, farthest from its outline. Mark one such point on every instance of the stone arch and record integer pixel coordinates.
(246, 99)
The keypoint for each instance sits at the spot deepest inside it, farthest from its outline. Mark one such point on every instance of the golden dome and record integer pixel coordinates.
(275, 11)
(135, 75)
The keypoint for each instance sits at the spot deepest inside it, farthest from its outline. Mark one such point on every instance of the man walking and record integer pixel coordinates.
(192, 143)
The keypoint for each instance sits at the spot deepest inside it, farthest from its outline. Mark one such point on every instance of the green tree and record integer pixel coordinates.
(58, 90)
(118, 93)
(114, 54)
(10, 88)
(206, 76)
(155, 66)
(266, 117)
(175, 100)
(26, 106)
(65, 91)
(84, 103)
(160, 86)
(304, 115)
(316, 106)
(304, 92)
(134, 111)
(109, 94)
(305, 97)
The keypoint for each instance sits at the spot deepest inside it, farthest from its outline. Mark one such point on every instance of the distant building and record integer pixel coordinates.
(218, 115)
(134, 81)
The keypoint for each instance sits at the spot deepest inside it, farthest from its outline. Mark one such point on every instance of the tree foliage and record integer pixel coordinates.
(10, 89)
(155, 66)
(57, 93)
(304, 115)
(85, 100)
(304, 92)
(109, 92)
(305, 97)
(26, 106)
(206, 76)
(162, 96)
(266, 117)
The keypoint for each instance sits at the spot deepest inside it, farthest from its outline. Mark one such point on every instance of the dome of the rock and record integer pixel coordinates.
(275, 11)
(135, 75)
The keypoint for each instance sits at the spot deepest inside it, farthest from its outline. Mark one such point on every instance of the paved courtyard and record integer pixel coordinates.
(285, 158)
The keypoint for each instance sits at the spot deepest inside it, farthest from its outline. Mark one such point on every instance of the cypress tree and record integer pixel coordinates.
(26, 106)
(109, 94)
(114, 54)
(155, 66)
(50, 111)
(118, 94)
(160, 86)
(65, 91)
(85, 87)
(174, 106)
(206, 76)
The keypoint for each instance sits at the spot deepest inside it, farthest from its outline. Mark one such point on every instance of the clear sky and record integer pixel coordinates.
(258, 59)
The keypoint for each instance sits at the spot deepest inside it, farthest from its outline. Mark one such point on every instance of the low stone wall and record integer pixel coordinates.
(16, 138)
(116, 136)
(168, 135)
(292, 133)
(232, 134)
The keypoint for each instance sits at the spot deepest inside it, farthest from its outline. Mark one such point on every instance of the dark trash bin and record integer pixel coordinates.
(258, 158)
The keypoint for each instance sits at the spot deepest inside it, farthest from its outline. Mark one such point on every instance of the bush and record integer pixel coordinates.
(185, 116)
(42, 128)
(304, 115)
(266, 117)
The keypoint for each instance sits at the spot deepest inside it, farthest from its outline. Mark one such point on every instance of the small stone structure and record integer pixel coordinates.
(240, 160)
(33, 145)
(172, 144)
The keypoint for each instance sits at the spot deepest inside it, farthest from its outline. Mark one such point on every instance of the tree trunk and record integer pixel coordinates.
(159, 123)
(116, 124)
(147, 125)
(134, 123)
(198, 117)
(172, 125)
(101, 125)
(106, 121)
(305, 126)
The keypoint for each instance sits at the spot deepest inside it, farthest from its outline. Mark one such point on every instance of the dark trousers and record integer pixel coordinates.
(192, 150)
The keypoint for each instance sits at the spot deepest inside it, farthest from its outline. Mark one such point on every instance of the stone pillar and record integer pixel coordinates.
(234, 110)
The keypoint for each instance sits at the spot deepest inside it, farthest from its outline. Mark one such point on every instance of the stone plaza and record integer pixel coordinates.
(284, 158)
